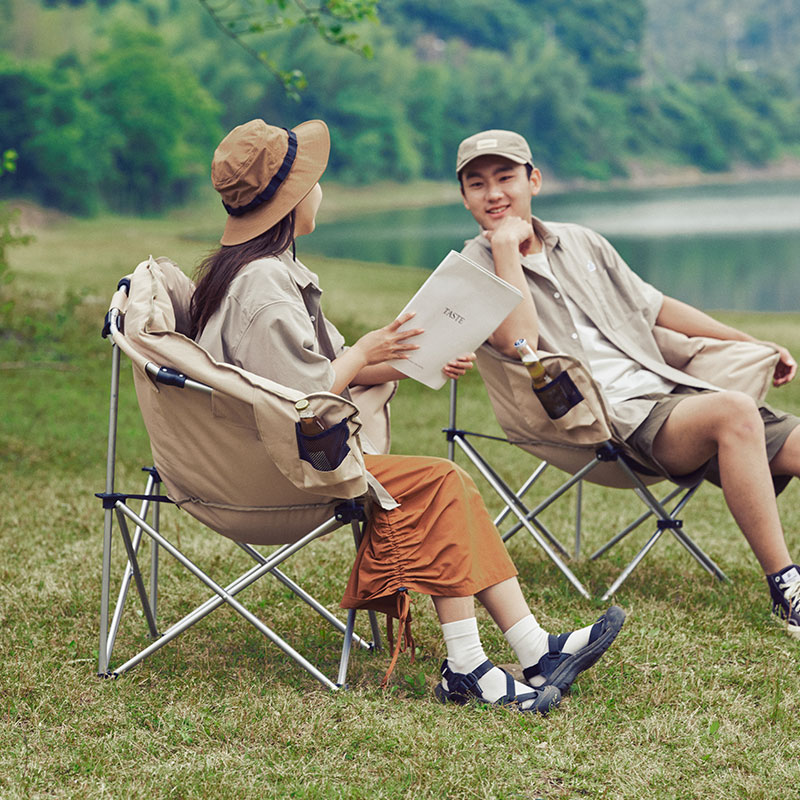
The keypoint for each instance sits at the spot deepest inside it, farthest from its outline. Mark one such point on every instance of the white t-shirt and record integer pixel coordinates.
(620, 377)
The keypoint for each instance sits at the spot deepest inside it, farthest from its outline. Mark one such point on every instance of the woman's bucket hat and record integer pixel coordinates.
(262, 172)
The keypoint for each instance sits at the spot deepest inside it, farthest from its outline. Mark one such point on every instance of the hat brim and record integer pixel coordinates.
(313, 149)
(517, 159)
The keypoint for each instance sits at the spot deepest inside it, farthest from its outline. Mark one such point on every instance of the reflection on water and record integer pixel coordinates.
(732, 247)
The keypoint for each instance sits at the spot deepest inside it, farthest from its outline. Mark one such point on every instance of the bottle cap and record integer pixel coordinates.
(520, 343)
(301, 404)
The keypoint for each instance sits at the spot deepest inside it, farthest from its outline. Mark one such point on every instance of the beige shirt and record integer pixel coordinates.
(266, 325)
(622, 306)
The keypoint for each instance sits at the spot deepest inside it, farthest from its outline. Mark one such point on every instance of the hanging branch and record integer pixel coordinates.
(331, 19)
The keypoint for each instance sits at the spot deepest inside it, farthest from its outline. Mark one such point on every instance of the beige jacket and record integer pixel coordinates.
(269, 324)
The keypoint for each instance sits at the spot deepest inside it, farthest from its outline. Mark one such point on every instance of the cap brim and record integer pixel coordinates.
(510, 156)
(313, 149)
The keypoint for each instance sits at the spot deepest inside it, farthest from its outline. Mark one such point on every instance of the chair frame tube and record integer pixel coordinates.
(665, 520)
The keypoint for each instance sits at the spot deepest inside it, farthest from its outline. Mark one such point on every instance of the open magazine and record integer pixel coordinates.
(458, 306)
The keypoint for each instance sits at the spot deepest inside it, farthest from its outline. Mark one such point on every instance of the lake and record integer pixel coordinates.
(716, 247)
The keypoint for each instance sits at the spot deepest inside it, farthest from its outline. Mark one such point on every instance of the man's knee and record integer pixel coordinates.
(738, 414)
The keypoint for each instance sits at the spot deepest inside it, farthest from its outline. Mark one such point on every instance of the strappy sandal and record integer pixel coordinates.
(560, 669)
(460, 688)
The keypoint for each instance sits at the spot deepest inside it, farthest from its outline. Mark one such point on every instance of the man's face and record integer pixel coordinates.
(494, 188)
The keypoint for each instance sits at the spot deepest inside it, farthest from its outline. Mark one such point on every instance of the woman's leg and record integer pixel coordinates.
(467, 662)
(545, 659)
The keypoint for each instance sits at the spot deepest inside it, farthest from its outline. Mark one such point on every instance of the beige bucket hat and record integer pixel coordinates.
(263, 171)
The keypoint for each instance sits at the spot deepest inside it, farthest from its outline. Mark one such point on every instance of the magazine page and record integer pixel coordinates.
(458, 306)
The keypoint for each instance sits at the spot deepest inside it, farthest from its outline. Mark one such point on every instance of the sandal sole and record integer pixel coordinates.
(566, 672)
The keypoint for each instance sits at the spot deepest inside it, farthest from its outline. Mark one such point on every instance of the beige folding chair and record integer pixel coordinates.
(583, 444)
(227, 448)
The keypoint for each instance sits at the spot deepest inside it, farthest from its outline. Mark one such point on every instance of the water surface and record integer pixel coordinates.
(723, 247)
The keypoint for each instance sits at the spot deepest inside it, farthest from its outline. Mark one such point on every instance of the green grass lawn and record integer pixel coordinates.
(699, 697)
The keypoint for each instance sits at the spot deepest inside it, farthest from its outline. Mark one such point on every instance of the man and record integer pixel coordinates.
(580, 297)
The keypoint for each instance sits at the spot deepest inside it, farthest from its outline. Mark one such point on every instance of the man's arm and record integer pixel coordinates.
(686, 319)
(512, 238)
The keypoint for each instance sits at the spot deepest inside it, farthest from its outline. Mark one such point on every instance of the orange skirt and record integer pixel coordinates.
(439, 541)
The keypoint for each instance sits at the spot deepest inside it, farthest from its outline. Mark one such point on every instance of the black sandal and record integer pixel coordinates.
(464, 688)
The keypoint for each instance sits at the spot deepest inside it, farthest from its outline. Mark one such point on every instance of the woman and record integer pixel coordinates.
(256, 306)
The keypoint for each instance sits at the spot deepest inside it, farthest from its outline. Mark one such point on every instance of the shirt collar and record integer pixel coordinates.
(300, 273)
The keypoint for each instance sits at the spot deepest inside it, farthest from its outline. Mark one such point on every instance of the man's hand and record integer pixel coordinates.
(514, 232)
(785, 369)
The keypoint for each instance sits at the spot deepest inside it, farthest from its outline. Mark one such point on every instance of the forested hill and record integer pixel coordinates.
(119, 103)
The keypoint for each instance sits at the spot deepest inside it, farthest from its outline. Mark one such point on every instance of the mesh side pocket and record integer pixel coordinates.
(559, 396)
(326, 450)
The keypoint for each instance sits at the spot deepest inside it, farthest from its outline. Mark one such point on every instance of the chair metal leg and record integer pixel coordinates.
(348, 638)
(666, 520)
(303, 595)
(508, 497)
(226, 596)
(632, 527)
(578, 517)
(523, 490)
(623, 576)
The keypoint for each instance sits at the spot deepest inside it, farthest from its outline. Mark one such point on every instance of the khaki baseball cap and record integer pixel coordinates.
(495, 143)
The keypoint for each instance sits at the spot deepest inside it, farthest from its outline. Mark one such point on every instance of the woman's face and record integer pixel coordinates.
(305, 212)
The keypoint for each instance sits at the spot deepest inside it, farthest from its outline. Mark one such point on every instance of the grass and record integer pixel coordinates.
(698, 699)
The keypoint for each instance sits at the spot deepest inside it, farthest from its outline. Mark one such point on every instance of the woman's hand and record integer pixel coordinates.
(458, 366)
(387, 343)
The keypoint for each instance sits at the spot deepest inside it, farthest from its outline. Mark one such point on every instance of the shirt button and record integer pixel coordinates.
(556, 295)
(574, 335)
(312, 318)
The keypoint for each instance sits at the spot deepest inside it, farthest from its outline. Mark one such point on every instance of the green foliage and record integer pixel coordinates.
(130, 129)
(331, 20)
(160, 124)
(127, 118)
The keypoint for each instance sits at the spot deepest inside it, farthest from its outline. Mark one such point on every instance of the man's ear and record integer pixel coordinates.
(536, 181)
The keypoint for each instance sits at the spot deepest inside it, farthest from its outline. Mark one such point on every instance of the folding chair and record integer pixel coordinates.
(581, 444)
(225, 446)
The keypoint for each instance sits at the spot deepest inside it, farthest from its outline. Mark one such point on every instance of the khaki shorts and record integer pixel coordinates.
(777, 427)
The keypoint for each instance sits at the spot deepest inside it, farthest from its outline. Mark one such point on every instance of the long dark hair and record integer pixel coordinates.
(214, 274)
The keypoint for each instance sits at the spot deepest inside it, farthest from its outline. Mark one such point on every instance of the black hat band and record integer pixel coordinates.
(277, 179)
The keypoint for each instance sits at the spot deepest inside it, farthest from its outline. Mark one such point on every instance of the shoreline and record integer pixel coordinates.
(344, 201)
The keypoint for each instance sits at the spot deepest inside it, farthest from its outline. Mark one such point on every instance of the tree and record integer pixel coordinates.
(159, 125)
(247, 22)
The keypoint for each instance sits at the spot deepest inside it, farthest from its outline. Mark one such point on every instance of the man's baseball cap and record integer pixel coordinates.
(495, 143)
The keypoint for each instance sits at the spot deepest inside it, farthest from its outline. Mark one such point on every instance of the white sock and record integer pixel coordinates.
(465, 653)
(529, 641)
(464, 648)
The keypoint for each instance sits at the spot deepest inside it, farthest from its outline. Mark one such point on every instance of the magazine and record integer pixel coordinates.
(458, 306)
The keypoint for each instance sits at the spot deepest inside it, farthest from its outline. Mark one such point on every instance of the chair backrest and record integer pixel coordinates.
(228, 456)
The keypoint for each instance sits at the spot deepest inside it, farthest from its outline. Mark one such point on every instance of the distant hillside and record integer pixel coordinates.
(745, 34)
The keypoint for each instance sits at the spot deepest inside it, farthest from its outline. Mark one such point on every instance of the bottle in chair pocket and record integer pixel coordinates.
(557, 395)
(310, 423)
(324, 448)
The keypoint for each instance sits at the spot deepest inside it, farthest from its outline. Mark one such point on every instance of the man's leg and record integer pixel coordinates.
(787, 459)
(729, 425)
